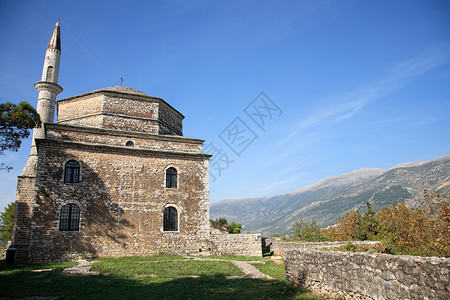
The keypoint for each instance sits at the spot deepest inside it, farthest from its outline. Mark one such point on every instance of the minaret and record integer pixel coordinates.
(48, 88)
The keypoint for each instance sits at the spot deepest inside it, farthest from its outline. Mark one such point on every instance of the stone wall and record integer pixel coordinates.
(121, 111)
(278, 247)
(236, 244)
(122, 196)
(22, 216)
(368, 276)
(97, 136)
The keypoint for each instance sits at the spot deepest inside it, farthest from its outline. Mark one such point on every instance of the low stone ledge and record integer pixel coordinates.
(83, 268)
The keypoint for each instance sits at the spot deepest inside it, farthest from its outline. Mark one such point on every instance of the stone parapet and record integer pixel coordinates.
(236, 244)
(368, 276)
(276, 246)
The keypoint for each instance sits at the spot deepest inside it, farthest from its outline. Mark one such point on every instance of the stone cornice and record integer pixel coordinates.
(116, 132)
(122, 149)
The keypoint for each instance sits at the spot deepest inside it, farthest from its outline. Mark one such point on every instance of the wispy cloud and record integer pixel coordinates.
(350, 104)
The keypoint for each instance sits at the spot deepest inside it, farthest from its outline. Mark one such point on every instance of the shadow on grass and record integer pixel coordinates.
(22, 282)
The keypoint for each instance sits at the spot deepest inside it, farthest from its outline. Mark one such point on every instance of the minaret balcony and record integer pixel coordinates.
(48, 86)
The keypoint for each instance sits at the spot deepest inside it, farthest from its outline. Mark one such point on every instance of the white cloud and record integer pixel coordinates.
(346, 106)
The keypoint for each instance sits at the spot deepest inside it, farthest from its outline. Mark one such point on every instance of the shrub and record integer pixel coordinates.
(423, 230)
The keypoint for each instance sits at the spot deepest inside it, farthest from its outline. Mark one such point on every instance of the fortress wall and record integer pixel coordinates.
(368, 276)
(278, 247)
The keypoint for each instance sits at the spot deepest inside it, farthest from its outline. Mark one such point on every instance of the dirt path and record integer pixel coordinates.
(249, 270)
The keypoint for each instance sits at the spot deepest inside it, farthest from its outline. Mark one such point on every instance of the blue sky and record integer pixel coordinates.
(356, 83)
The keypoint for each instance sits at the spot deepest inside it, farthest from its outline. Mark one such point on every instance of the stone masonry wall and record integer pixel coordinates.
(122, 196)
(170, 123)
(236, 244)
(22, 216)
(278, 247)
(121, 112)
(71, 111)
(115, 138)
(368, 276)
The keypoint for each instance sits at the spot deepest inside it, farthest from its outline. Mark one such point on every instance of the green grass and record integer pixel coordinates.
(154, 277)
(233, 257)
(272, 269)
(166, 270)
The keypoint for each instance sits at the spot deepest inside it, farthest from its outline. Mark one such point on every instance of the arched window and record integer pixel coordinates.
(170, 221)
(129, 144)
(69, 218)
(72, 172)
(171, 178)
(49, 74)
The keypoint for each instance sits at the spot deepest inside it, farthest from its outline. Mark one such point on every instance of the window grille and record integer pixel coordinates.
(170, 222)
(171, 178)
(69, 219)
(72, 172)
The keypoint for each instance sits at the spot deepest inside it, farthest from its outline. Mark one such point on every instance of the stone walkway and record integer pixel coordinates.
(249, 270)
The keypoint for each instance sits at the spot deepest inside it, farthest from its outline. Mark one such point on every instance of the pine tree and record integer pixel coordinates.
(6, 222)
(15, 124)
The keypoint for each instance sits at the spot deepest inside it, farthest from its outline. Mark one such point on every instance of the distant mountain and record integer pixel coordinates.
(332, 197)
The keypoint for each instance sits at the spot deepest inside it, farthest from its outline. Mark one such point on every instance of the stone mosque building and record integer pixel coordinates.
(114, 176)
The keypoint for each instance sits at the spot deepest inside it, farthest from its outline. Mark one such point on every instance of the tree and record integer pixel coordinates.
(222, 221)
(222, 224)
(234, 228)
(423, 230)
(6, 222)
(308, 232)
(15, 123)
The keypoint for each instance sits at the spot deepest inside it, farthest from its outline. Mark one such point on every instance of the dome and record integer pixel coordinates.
(122, 89)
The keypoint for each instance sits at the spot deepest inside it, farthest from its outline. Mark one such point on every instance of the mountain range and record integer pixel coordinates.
(331, 198)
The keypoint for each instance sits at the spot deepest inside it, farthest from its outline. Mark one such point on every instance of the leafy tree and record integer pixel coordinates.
(6, 222)
(369, 227)
(222, 224)
(423, 230)
(15, 122)
(346, 228)
(234, 228)
(308, 232)
(355, 226)
(222, 221)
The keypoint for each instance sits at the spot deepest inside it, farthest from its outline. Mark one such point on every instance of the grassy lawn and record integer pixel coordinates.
(153, 277)
(272, 269)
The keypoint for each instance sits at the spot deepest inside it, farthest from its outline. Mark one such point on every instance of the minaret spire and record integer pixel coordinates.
(52, 57)
(55, 40)
(48, 88)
